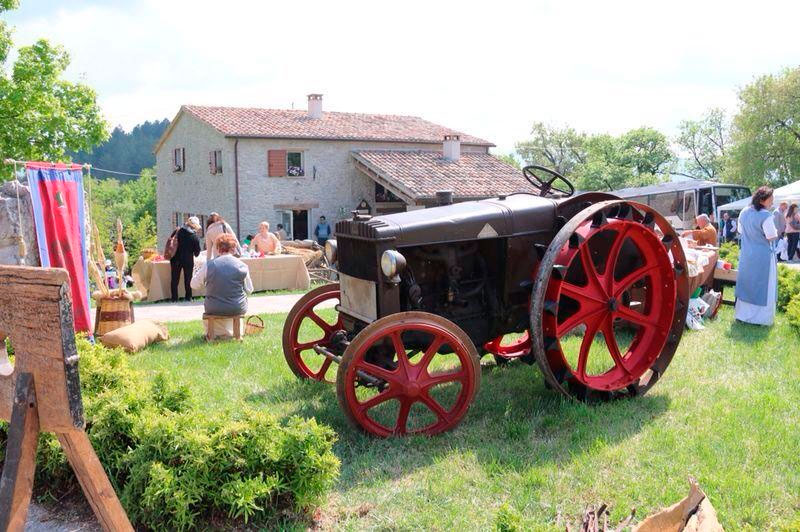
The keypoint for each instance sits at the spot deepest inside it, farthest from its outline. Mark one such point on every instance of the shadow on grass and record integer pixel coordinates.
(513, 424)
(740, 331)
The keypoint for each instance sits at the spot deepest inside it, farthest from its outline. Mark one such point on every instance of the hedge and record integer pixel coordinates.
(788, 285)
(793, 312)
(178, 467)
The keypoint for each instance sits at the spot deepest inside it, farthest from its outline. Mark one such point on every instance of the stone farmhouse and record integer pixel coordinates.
(291, 166)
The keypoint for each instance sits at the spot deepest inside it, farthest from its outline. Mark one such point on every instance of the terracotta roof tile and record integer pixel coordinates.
(278, 123)
(420, 174)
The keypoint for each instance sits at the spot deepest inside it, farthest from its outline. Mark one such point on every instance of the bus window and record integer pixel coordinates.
(688, 212)
(725, 195)
(705, 204)
(666, 204)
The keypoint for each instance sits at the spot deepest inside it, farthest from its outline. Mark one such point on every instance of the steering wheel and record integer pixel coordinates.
(546, 186)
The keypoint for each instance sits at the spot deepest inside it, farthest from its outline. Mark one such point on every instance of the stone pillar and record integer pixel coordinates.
(11, 225)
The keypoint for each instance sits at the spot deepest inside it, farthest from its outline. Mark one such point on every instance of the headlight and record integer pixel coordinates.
(392, 264)
(330, 250)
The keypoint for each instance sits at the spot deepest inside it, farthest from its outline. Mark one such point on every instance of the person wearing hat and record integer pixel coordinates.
(183, 260)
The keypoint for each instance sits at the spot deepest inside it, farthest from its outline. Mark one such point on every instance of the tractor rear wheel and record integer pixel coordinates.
(304, 328)
(609, 302)
(408, 373)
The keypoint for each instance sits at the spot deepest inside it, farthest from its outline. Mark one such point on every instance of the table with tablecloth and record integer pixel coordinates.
(701, 272)
(276, 272)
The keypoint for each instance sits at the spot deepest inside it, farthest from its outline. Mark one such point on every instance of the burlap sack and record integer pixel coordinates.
(135, 336)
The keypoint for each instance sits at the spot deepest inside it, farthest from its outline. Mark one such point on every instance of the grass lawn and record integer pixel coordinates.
(727, 411)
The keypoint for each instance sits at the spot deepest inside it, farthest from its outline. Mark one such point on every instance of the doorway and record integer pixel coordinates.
(300, 224)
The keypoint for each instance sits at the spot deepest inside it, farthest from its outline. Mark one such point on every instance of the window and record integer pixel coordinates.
(179, 159)
(283, 163)
(180, 218)
(666, 204)
(294, 164)
(215, 162)
(384, 195)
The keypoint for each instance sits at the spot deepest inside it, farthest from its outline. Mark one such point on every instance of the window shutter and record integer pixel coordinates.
(183, 159)
(212, 163)
(276, 163)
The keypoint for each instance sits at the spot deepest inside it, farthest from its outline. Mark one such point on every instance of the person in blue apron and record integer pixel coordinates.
(322, 231)
(757, 281)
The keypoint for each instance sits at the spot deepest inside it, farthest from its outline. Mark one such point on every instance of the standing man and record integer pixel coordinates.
(322, 231)
(780, 218)
(183, 260)
(728, 228)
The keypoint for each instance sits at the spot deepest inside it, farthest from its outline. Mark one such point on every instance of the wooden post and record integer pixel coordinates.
(46, 395)
(16, 484)
(92, 477)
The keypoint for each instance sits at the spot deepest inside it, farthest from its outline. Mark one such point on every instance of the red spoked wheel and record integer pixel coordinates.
(505, 350)
(304, 328)
(408, 373)
(609, 302)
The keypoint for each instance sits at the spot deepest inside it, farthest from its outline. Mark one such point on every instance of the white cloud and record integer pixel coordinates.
(487, 68)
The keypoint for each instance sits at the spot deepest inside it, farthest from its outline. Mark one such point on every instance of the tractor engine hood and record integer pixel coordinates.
(512, 215)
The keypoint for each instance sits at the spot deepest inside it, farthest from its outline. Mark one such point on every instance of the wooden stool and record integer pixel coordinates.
(212, 318)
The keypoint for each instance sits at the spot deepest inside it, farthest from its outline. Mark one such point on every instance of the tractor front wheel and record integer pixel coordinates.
(305, 328)
(408, 373)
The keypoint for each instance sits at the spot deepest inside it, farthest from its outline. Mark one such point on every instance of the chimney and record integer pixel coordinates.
(315, 105)
(452, 147)
(444, 197)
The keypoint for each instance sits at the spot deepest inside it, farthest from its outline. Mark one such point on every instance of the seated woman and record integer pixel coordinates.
(227, 282)
(266, 242)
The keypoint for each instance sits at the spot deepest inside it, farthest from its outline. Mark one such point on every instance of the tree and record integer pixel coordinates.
(510, 159)
(133, 202)
(41, 115)
(600, 162)
(126, 151)
(560, 149)
(766, 131)
(706, 141)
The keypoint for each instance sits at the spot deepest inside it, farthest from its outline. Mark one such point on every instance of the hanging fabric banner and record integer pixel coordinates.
(58, 211)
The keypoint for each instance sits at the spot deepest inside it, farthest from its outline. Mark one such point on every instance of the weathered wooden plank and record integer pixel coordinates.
(30, 274)
(16, 483)
(92, 477)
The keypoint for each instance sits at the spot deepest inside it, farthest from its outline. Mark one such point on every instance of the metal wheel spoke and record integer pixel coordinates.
(636, 317)
(636, 275)
(377, 399)
(430, 353)
(379, 372)
(442, 378)
(613, 256)
(400, 350)
(324, 325)
(589, 270)
(611, 343)
(402, 416)
(434, 406)
(581, 294)
(323, 370)
(576, 319)
(586, 344)
(308, 345)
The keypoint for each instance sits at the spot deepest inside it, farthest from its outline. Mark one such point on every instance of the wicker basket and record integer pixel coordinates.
(112, 313)
(253, 325)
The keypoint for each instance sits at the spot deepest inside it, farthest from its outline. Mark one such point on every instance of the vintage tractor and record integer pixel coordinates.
(590, 287)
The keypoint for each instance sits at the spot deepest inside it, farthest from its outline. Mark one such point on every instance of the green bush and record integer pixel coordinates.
(175, 466)
(788, 285)
(729, 251)
(793, 312)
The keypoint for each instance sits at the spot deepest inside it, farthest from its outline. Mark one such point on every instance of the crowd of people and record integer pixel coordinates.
(225, 277)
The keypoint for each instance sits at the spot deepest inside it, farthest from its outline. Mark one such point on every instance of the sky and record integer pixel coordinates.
(487, 68)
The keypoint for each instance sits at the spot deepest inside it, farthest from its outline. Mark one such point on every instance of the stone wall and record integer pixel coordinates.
(11, 226)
